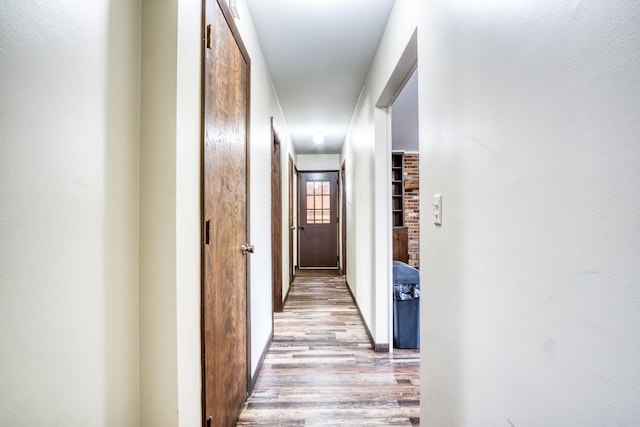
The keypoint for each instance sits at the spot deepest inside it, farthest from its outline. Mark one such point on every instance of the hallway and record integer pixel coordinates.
(320, 369)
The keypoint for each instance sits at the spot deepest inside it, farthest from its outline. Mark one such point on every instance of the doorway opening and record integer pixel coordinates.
(386, 109)
(405, 216)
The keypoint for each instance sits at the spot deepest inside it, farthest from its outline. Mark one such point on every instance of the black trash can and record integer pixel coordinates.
(406, 306)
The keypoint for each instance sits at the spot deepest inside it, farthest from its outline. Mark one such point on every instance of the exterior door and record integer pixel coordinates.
(318, 219)
(224, 260)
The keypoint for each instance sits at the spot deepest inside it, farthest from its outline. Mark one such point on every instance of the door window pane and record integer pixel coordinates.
(318, 202)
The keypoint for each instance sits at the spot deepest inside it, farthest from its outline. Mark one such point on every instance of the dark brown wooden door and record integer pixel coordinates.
(224, 294)
(276, 221)
(318, 219)
(291, 225)
(343, 219)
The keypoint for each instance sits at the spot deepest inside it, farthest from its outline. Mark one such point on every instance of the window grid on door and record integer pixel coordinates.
(318, 202)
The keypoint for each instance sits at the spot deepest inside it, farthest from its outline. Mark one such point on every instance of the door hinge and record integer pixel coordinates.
(207, 232)
(209, 420)
(208, 36)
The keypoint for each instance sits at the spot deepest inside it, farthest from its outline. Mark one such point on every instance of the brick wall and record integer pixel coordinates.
(412, 206)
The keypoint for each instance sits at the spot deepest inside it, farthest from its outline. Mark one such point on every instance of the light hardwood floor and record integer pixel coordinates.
(321, 370)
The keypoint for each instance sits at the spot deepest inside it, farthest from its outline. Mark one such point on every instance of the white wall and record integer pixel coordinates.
(158, 297)
(264, 105)
(188, 191)
(367, 153)
(318, 162)
(69, 213)
(530, 127)
(170, 140)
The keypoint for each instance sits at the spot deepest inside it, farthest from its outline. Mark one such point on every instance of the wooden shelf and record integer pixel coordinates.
(397, 189)
(400, 232)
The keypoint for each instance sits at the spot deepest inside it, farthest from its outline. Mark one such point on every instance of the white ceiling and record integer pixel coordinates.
(318, 53)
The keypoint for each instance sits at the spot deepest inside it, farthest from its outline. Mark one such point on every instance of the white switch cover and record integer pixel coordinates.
(437, 209)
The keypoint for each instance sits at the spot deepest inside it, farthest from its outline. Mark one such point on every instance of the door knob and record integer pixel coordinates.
(247, 248)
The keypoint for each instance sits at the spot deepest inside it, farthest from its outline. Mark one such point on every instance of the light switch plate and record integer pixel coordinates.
(437, 209)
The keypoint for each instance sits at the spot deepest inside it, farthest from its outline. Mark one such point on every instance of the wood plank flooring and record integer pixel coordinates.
(321, 371)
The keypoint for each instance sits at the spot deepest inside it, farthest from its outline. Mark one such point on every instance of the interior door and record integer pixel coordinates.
(291, 224)
(318, 219)
(224, 293)
(276, 221)
(343, 219)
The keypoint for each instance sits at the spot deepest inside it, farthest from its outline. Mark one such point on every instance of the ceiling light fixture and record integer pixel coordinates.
(318, 138)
